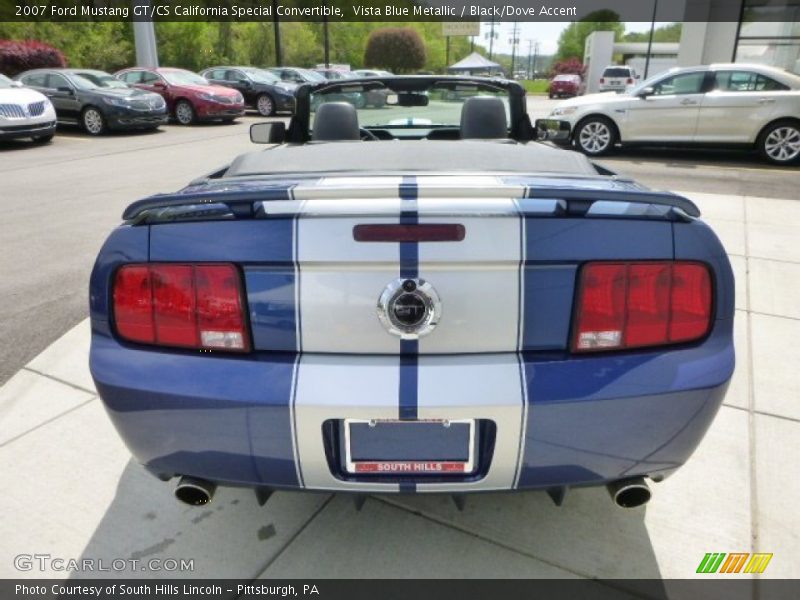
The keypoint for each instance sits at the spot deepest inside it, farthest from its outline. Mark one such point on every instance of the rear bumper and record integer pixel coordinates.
(264, 420)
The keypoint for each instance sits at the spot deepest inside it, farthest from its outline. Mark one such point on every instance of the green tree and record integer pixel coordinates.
(665, 33)
(398, 49)
(572, 41)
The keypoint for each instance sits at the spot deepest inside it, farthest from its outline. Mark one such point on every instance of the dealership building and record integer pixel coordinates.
(764, 32)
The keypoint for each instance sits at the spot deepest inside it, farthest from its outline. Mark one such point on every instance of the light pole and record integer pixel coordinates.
(277, 30)
(650, 41)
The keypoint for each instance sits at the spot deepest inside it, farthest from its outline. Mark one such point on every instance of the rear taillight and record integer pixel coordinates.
(629, 81)
(635, 304)
(602, 80)
(183, 305)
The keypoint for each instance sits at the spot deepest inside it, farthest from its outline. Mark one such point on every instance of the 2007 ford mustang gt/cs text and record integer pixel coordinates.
(417, 298)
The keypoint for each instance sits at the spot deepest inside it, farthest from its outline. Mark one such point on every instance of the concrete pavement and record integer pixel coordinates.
(75, 493)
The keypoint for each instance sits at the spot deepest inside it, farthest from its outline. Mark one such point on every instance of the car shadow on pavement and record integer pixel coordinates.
(509, 535)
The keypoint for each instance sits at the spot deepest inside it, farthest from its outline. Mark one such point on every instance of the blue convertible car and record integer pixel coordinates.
(417, 298)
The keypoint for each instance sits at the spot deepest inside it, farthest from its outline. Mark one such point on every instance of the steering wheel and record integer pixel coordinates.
(367, 135)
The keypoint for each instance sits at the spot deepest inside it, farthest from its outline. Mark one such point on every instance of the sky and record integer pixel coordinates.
(545, 33)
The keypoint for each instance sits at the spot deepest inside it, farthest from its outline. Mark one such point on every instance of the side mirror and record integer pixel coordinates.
(645, 92)
(160, 85)
(246, 82)
(16, 84)
(553, 130)
(66, 90)
(268, 133)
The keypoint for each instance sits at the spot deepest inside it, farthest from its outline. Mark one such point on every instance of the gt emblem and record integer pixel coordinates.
(409, 308)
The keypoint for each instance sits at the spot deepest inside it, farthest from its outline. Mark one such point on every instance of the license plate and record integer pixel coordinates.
(412, 448)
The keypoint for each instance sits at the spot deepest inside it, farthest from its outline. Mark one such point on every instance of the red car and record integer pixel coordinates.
(190, 97)
(566, 85)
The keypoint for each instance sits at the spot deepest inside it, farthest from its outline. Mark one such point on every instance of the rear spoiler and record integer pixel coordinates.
(234, 204)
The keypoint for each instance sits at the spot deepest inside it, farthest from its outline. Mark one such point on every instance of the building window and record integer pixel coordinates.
(770, 34)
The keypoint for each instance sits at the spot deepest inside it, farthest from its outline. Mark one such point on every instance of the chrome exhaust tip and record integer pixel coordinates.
(195, 492)
(629, 493)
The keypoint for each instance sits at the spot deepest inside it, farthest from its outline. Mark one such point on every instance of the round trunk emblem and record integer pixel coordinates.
(409, 308)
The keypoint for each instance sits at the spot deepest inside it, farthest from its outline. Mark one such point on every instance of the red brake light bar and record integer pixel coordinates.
(636, 304)
(424, 232)
(185, 305)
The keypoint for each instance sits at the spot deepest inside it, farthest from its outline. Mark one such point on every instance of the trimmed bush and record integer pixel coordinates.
(397, 49)
(17, 56)
(570, 66)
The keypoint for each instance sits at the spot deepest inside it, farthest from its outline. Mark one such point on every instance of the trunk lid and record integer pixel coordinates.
(508, 285)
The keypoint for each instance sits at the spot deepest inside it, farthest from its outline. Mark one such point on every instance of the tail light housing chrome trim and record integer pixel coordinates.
(200, 306)
(640, 304)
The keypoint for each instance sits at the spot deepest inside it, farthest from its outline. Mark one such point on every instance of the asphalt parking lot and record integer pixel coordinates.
(76, 492)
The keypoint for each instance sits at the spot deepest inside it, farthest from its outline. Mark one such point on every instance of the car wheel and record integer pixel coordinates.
(780, 143)
(265, 105)
(43, 139)
(93, 121)
(380, 102)
(184, 112)
(595, 136)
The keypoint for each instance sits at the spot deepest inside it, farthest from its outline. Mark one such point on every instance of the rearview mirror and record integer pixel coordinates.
(407, 99)
(268, 133)
(553, 130)
(645, 92)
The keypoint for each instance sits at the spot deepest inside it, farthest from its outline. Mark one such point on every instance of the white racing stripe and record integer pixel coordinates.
(476, 387)
(339, 283)
(338, 387)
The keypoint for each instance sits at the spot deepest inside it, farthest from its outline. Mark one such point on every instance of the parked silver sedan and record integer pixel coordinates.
(730, 105)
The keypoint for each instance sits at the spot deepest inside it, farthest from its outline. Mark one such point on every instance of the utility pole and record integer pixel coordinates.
(447, 51)
(514, 42)
(535, 55)
(530, 70)
(491, 39)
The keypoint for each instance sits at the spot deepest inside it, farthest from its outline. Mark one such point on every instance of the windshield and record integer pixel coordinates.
(260, 76)
(183, 78)
(90, 80)
(311, 75)
(334, 75)
(408, 113)
(5, 82)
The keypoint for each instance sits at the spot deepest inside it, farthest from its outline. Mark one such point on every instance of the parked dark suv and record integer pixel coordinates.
(95, 100)
(261, 89)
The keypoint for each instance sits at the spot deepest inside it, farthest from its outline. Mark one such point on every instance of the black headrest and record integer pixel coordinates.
(335, 122)
(483, 118)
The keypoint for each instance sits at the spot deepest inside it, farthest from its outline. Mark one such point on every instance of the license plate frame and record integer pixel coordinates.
(410, 467)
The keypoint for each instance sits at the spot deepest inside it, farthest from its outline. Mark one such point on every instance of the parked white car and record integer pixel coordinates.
(733, 105)
(25, 113)
(617, 78)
